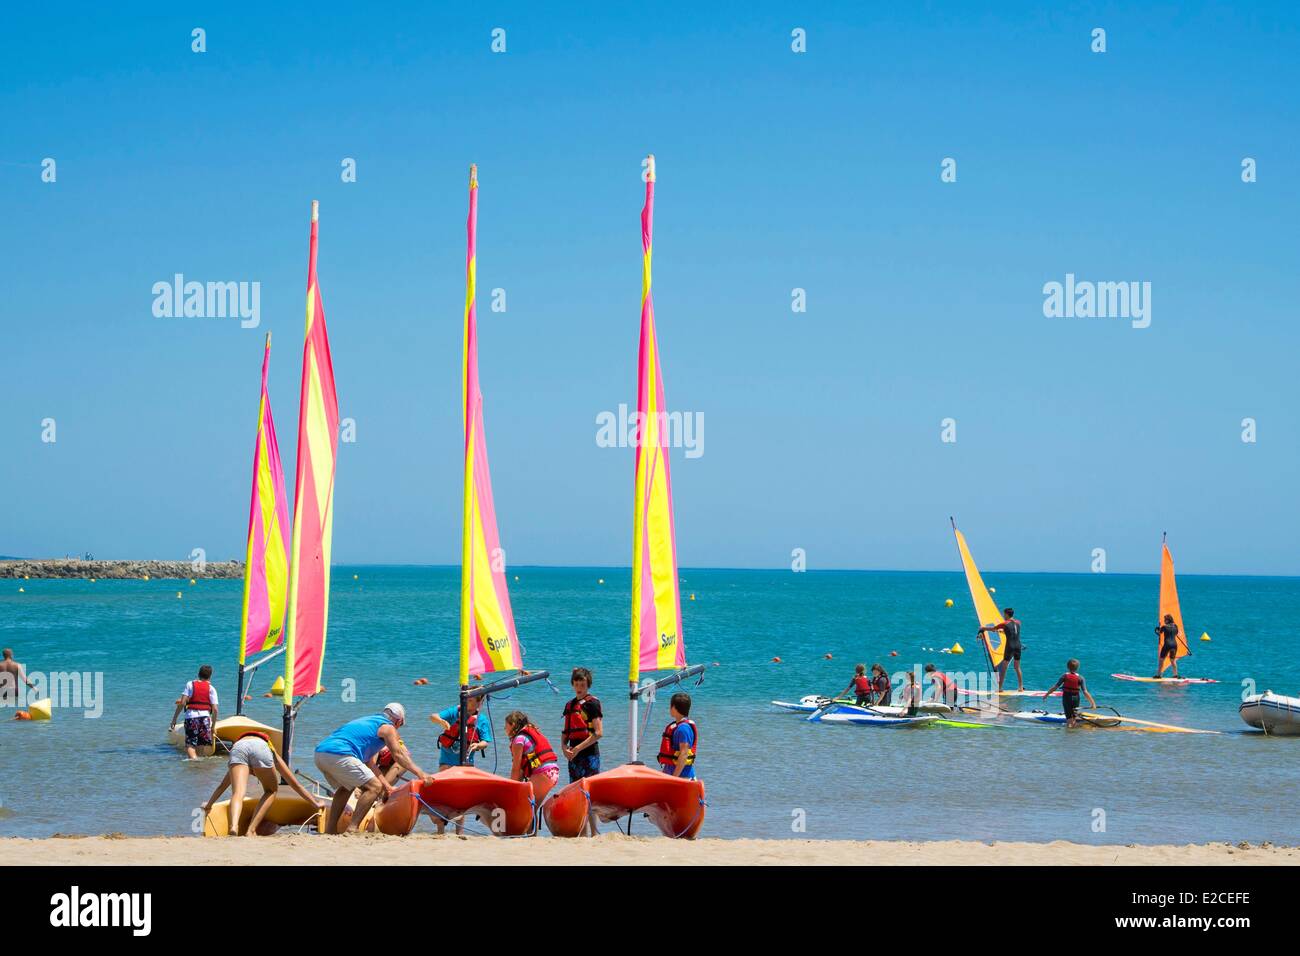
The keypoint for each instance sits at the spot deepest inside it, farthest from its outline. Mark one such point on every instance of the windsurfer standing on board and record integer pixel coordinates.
(1168, 633)
(1011, 646)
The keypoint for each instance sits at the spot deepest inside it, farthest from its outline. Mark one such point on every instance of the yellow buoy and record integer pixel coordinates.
(993, 590)
(957, 649)
(948, 603)
(354, 577)
(1205, 636)
(516, 577)
(178, 593)
(145, 578)
(92, 580)
(193, 581)
(22, 590)
(41, 709)
(600, 581)
(278, 686)
(692, 597)
(27, 577)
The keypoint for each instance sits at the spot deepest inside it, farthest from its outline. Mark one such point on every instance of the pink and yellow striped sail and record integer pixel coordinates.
(488, 641)
(656, 600)
(313, 500)
(266, 562)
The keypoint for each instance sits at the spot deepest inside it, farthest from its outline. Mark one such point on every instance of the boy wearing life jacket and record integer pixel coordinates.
(583, 728)
(253, 753)
(1072, 685)
(199, 701)
(860, 685)
(532, 758)
(944, 686)
(478, 734)
(681, 739)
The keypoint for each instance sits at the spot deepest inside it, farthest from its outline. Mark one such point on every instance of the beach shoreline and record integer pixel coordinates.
(613, 849)
(57, 568)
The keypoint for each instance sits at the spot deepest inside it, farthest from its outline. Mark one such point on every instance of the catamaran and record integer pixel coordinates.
(1168, 606)
(305, 611)
(674, 804)
(489, 642)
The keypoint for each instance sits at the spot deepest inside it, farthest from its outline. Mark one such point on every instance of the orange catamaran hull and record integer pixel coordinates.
(673, 804)
(504, 806)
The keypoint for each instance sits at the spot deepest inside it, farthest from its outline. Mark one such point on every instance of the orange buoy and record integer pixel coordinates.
(893, 653)
(829, 657)
(22, 715)
(776, 660)
(248, 697)
(269, 694)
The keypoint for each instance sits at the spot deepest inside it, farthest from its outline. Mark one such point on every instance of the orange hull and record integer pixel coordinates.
(674, 805)
(504, 806)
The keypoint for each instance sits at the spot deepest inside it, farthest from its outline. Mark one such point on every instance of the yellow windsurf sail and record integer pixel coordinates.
(1169, 605)
(985, 609)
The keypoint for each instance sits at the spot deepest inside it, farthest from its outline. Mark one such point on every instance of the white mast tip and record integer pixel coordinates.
(315, 210)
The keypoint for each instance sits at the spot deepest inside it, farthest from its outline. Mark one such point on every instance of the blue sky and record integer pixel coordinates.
(776, 170)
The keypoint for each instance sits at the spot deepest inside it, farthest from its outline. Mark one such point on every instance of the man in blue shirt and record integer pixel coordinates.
(345, 758)
(680, 740)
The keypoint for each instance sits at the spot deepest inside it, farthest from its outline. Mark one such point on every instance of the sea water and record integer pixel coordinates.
(768, 774)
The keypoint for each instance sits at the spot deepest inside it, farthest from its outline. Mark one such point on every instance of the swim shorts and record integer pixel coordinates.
(198, 731)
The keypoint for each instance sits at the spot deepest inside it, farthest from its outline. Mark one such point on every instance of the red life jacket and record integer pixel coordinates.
(881, 684)
(256, 733)
(576, 728)
(201, 699)
(668, 753)
(1071, 682)
(863, 684)
(450, 737)
(539, 752)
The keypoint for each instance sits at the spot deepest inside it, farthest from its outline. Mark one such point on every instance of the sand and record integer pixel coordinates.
(611, 850)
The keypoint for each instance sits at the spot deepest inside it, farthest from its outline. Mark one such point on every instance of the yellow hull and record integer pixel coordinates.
(288, 809)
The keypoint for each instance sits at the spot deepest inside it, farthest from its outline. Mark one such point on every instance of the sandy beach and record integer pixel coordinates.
(614, 850)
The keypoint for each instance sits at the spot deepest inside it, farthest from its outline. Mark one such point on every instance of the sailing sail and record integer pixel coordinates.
(488, 641)
(313, 499)
(656, 600)
(266, 561)
(1169, 605)
(985, 609)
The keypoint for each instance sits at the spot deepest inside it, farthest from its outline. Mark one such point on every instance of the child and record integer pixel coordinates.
(1071, 684)
(478, 734)
(911, 695)
(253, 753)
(881, 689)
(681, 739)
(944, 686)
(199, 701)
(860, 685)
(583, 727)
(532, 758)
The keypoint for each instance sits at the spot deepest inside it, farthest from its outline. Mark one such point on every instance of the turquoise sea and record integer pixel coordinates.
(767, 773)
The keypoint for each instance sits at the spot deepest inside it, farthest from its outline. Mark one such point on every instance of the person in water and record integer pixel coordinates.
(910, 696)
(199, 701)
(1072, 685)
(253, 753)
(11, 675)
(345, 758)
(860, 685)
(881, 689)
(1011, 646)
(681, 739)
(478, 734)
(1168, 634)
(945, 687)
(532, 758)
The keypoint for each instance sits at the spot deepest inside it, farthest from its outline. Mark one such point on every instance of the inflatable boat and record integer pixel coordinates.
(673, 804)
(504, 806)
(1272, 713)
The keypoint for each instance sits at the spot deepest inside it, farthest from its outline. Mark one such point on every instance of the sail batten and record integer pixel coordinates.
(656, 635)
(986, 609)
(266, 559)
(313, 499)
(488, 640)
(1169, 605)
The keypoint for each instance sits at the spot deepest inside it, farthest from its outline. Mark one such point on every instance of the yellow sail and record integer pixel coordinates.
(985, 609)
